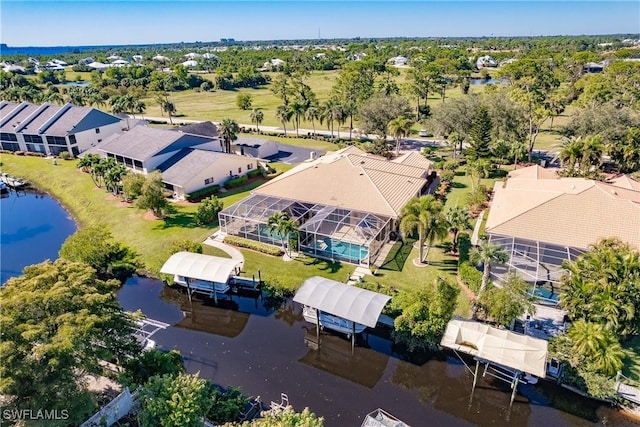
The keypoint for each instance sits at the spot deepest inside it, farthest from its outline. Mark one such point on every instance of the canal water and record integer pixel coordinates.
(264, 346)
(33, 227)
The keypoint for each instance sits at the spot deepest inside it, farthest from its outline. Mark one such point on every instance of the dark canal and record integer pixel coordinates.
(33, 226)
(265, 347)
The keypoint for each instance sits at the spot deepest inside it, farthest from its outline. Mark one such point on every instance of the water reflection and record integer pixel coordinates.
(264, 346)
(333, 354)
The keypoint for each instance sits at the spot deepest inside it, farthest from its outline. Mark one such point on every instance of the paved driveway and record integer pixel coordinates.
(292, 154)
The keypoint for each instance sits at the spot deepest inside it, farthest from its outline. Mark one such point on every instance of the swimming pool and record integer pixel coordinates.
(336, 249)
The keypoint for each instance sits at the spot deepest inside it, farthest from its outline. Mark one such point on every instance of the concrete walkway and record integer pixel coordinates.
(476, 230)
(217, 241)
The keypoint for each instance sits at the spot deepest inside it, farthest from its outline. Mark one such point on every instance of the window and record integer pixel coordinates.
(8, 137)
(36, 139)
(230, 173)
(249, 166)
(56, 140)
(239, 170)
(72, 139)
(209, 181)
(97, 130)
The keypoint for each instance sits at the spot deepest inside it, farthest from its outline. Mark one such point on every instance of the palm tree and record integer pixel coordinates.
(458, 219)
(281, 225)
(169, 107)
(486, 254)
(312, 114)
(598, 345)
(114, 176)
(328, 113)
(297, 109)
(477, 170)
(283, 114)
(399, 128)
(139, 107)
(570, 154)
(517, 150)
(592, 152)
(424, 215)
(256, 117)
(229, 130)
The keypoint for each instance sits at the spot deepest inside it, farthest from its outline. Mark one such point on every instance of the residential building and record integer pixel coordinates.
(542, 220)
(486, 61)
(254, 147)
(51, 129)
(347, 204)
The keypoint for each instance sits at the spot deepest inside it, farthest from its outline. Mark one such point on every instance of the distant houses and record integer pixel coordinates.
(398, 61)
(486, 62)
(50, 129)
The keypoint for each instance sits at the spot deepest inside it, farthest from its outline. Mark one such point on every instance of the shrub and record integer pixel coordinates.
(19, 153)
(236, 182)
(477, 198)
(34, 154)
(186, 245)
(241, 242)
(205, 192)
(447, 176)
(150, 363)
(65, 155)
(254, 173)
(464, 246)
(208, 210)
(470, 276)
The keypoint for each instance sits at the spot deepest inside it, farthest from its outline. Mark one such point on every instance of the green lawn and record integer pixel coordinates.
(632, 363)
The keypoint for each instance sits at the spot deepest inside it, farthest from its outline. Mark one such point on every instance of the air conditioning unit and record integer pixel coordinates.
(313, 155)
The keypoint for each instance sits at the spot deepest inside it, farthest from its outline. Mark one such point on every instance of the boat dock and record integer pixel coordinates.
(627, 391)
(12, 181)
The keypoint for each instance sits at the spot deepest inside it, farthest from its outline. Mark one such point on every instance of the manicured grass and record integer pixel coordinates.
(632, 363)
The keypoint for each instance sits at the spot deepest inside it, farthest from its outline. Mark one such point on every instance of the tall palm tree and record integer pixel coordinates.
(297, 110)
(138, 106)
(570, 154)
(229, 130)
(283, 114)
(113, 178)
(424, 215)
(486, 254)
(256, 117)
(312, 114)
(458, 219)
(399, 128)
(328, 113)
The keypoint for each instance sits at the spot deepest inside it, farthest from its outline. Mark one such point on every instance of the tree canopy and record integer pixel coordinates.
(58, 321)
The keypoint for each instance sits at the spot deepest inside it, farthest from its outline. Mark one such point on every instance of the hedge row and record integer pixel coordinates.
(236, 182)
(254, 173)
(201, 194)
(241, 242)
(26, 153)
(470, 276)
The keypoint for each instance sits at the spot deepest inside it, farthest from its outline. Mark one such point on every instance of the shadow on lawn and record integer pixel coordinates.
(398, 255)
(178, 219)
(458, 185)
(323, 264)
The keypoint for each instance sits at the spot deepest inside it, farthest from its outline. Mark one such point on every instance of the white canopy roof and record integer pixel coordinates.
(516, 351)
(202, 267)
(349, 302)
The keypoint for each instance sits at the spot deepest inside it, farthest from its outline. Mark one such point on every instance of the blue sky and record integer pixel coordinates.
(52, 23)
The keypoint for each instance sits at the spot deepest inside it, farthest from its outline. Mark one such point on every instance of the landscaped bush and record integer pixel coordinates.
(254, 173)
(65, 155)
(464, 246)
(19, 153)
(447, 175)
(186, 245)
(241, 242)
(470, 276)
(200, 194)
(236, 182)
(34, 154)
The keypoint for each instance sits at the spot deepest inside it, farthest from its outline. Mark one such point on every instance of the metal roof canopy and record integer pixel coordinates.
(516, 351)
(349, 302)
(202, 267)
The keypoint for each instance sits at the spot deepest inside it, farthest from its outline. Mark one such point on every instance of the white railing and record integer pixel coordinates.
(113, 411)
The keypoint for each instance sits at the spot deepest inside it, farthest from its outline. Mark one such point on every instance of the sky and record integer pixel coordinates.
(115, 22)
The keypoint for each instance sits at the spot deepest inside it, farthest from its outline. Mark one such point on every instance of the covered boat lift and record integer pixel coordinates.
(193, 266)
(348, 302)
(510, 353)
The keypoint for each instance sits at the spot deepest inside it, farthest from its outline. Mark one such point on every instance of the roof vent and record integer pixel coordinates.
(362, 162)
(573, 186)
(614, 192)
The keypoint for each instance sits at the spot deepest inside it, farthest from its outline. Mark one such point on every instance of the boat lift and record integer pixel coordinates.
(507, 356)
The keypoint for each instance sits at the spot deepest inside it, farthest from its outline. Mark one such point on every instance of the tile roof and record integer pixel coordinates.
(573, 212)
(414, 159)
(350, 179)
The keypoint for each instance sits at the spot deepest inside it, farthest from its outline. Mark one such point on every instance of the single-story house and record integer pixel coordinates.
(160, 58)
(254, 147)
(399, 60)
(51, 129)
(193, 169)
(347, 204)
(542, 220)
(190, 63)
(98, 66)
(143, 149)
(594, 67)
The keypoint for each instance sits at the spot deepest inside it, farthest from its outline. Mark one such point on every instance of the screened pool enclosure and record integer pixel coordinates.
(326, 232)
